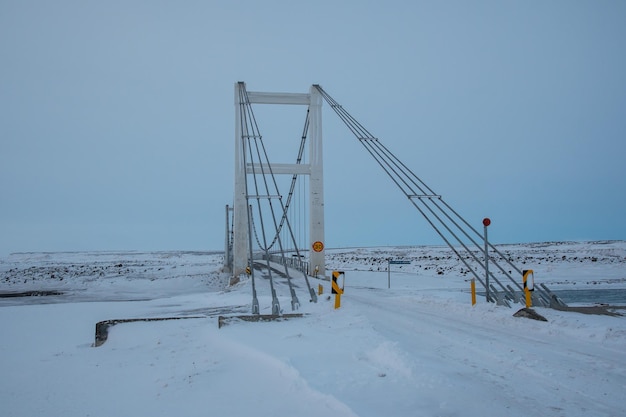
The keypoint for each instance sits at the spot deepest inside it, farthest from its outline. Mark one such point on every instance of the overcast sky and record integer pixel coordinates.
(117, 117)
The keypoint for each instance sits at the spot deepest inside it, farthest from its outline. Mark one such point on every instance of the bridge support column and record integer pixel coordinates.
(316, 186)
(240, 209)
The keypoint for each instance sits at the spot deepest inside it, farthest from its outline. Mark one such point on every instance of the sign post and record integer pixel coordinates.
(393, 262)
(486, 222)
(473, 291)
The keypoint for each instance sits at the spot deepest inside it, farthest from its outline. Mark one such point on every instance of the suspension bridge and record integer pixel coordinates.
(272, 200)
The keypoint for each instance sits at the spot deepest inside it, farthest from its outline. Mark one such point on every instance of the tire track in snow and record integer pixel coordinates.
(495, 360)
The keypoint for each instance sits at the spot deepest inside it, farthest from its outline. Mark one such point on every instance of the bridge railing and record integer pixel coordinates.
(293, 262)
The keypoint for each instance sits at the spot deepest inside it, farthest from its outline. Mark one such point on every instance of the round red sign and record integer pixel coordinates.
(318, 246)
(486, 221)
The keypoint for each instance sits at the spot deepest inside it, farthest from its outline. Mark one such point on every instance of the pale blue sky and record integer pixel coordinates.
(117, 117)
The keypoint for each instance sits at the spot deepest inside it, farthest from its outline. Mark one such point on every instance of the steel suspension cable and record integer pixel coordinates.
(255, 139)
(244, 134)
(435, 200)
(421, 196)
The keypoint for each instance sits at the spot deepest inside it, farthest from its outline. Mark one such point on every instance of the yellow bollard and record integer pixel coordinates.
(529, 300)
(473, 288)
(337, 300)
(320, 289)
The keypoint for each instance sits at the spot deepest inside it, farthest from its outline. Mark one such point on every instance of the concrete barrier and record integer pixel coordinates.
(102, 327)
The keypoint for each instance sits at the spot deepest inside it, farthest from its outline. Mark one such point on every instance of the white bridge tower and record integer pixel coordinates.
(313, 169)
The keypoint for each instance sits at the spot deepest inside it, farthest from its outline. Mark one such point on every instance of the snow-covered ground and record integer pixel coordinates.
(418, 348)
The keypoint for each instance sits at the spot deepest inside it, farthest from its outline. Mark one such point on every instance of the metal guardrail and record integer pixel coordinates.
(290, 261)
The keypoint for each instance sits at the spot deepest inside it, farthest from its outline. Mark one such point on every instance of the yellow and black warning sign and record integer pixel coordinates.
(336, 289)
(528, 279)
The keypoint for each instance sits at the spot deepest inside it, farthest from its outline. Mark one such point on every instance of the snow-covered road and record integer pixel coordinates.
(493, 362)
(416, 349)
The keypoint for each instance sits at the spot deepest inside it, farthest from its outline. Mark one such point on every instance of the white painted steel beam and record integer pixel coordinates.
(300, 169)
(256, 97)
